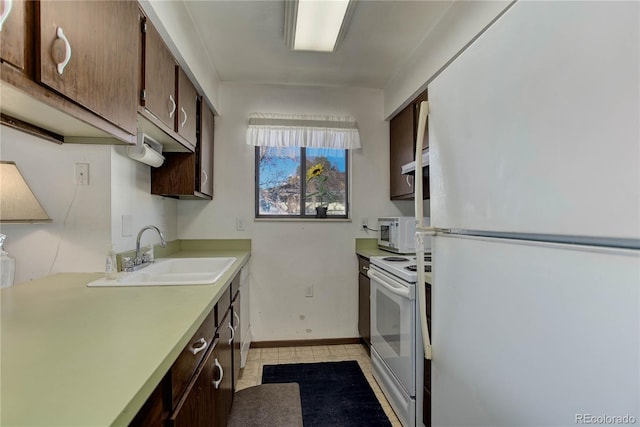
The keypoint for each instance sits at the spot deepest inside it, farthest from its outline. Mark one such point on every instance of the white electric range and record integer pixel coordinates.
(396, 337)
(401, 266)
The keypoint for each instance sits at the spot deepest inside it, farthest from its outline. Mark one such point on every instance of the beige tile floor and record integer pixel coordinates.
(251, 374)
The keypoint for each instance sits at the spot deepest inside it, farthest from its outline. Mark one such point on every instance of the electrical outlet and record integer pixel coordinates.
(82, 174)
(308, 291)
(365, 223)
(239, 224)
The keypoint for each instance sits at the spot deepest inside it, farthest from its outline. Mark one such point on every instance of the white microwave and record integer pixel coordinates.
(397, 234)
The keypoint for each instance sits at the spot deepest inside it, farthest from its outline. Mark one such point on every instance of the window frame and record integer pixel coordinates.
(303, 188)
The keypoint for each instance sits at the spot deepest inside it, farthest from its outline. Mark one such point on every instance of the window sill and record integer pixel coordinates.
(302, 220)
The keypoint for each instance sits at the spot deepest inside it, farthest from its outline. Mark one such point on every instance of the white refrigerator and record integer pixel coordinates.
(534, 134)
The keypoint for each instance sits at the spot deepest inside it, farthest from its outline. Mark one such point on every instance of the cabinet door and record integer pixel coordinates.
(159, 80)
(364, 308)
(401, 137)
(13, 32)
(89, 53)
(151, 413)
(191, 356)
(205, 149)
(187, 106)
(197, 407)
(224, 392)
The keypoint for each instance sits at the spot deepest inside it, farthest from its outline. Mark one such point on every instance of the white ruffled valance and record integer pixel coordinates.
(303, 130)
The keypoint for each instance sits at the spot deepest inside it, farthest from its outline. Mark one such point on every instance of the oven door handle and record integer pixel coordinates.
(389, 283)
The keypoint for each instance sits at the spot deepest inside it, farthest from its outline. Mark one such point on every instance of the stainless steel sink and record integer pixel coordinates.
(173, 272)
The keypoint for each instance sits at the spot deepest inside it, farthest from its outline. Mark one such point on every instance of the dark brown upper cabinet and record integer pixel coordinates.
(205, 149)
(187, 108)
(168, 99)
(189, 175)
(13, 33)
(158, 95)
(88, 52)
(402, 144)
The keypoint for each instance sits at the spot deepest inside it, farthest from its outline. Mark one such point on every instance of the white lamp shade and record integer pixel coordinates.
(17, 201)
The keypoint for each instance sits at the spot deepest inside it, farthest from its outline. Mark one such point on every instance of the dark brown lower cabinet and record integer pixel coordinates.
(364, 305)
(235, 310)
(197, 406)
(224, 391)
(151, 413)
(197, 391)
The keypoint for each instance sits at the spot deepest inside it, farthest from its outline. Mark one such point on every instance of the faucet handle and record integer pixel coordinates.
(147, 256)
(127, 263)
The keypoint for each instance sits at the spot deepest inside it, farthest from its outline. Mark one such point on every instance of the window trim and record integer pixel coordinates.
(303, 185)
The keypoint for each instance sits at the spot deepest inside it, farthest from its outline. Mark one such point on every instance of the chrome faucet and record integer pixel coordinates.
(139, 261)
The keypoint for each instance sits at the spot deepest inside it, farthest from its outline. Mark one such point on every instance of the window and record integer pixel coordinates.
(292, 181)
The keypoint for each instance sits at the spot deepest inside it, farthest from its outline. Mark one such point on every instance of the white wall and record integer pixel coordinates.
(462, 22)
(130, 196)
(287, 256)
(117, 186)
(48, 168)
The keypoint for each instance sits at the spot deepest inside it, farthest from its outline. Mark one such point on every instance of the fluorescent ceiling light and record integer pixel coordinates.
(316, 25)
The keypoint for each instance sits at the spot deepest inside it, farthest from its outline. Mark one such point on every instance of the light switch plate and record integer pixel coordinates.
(127, 225)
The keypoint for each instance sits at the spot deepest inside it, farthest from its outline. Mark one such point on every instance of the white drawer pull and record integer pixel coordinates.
(197, 349)
(216, 383)
(237, 320)
(233, 333)
(67, 50)
(185, 117)
(5, 13)
(173, 106)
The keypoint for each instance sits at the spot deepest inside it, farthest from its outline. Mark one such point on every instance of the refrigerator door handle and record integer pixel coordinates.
(422, 292)
(417, 188)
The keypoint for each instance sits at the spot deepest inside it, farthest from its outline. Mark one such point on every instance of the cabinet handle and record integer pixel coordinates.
(233, 333)
(173, 106)
(5, 13)
(238, 319)
(197, 349)
(365, 268)
(205, 177)
(409, 179)
(216, 383)
(67, 51)
(185, 116)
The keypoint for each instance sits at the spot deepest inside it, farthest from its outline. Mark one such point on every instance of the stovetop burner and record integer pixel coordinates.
(427, 268)
(395, 259)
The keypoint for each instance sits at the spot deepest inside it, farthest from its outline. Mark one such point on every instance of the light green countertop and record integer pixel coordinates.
(78, 356)
(369, 247)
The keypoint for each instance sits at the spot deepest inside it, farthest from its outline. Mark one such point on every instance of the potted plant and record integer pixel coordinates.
(317, 179)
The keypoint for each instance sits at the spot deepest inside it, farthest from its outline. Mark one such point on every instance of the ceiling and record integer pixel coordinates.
(245, 42)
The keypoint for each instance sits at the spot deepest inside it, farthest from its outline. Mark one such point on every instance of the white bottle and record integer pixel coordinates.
(111, 266)
(7, 265)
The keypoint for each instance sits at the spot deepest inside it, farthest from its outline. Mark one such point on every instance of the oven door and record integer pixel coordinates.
(393, 326)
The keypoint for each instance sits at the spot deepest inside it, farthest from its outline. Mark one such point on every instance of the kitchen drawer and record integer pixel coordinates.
(363, 264)
(186, 364)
